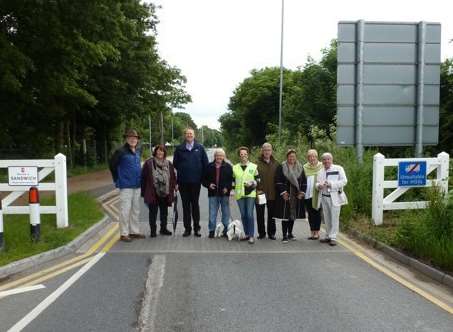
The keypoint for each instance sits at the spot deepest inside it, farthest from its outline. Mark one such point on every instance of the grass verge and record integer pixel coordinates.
(84, 211)
(424, 234)
(80, 170)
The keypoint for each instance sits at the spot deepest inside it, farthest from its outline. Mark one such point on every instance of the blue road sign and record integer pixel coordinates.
(411, 173)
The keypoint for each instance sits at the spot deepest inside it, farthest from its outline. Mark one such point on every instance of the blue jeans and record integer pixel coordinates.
(246, 206)
(214, 203)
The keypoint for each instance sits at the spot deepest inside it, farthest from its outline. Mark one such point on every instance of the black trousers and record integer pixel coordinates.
(314, 216)
(163, 209)
(270, 220)
(190, 193)
(287, 227)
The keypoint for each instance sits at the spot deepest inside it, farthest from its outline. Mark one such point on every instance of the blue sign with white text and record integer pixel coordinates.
(411, 173)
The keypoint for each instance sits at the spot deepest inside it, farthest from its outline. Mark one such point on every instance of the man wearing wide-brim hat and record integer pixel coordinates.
(126, 168)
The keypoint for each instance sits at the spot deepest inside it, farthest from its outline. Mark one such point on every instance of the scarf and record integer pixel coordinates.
(161, 177)
(311, 170)
(293, 174)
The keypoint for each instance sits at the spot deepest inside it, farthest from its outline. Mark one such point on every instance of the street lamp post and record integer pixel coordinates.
(161, 128)
(150, 144)
(280, 99)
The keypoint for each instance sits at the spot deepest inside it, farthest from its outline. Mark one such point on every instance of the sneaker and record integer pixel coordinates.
(186, 233)
(251, 240)
(325, 240)
(272, 237)
(125, 238)
(211, 234)
(332, 243)
(164, 231)
(285, 239)
(291, 237)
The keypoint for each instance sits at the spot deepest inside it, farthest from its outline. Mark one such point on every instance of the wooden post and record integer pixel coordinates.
(377, 203)
(61, 191)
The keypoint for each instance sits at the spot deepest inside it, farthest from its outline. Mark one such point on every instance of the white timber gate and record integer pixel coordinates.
(59, 185)
(380, 203)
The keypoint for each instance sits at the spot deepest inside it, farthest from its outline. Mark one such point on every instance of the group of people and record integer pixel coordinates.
(289, 190)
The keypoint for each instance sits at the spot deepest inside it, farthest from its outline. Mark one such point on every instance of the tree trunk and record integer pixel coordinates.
(69, 149)
(60, 137)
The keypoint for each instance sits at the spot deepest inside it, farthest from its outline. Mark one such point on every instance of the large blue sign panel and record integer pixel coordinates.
(411, 173)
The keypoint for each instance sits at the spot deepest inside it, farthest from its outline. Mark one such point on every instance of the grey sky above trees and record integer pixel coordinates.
(217, 43)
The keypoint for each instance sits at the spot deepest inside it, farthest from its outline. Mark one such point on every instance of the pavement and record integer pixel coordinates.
(199, 284)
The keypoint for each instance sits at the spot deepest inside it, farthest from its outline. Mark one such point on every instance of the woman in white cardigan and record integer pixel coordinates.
(330, 182)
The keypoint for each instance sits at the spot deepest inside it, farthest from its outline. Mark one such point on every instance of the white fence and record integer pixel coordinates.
(57, 165)
(381, 203)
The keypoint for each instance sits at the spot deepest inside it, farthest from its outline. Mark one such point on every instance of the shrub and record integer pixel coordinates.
(428, 233)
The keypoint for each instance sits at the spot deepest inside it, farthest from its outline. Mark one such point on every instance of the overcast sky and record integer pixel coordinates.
(217, 42)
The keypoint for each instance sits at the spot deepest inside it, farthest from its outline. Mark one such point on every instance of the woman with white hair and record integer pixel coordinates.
(218, 179)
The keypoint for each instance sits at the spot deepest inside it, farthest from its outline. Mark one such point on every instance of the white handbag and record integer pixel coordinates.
(261, 199)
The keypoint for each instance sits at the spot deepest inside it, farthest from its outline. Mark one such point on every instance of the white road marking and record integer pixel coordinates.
(20, 325)
(21, 290)
(152, 289)
(234, 252)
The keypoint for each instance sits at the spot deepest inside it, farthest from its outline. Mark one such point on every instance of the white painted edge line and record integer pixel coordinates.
(233, 252)
(21, 290)
(153, 285)
(20, 325)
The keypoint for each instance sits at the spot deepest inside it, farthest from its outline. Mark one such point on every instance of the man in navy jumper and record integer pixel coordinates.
(190, 160)
(126, 169)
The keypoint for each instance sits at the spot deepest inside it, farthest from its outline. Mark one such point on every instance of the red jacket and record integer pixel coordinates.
(148, 191)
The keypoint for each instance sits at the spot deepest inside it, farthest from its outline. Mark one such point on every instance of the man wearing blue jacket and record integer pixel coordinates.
(190, 160)
(126, 169)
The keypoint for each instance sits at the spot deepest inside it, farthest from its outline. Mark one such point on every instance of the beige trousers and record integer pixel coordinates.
(129, 211)
(331, 216)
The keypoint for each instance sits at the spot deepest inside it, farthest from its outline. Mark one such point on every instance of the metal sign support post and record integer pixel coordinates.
(280, 98)
(359, 90)
(420, 87)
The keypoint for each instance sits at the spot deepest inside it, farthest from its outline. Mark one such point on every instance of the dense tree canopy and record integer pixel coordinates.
(309, 100)
(72, 71)
(446, 107)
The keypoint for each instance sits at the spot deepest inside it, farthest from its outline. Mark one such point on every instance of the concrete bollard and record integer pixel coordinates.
(2, 241)
(35, 216)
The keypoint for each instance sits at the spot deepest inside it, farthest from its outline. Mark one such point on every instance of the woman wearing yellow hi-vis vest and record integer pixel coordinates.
(246, 179)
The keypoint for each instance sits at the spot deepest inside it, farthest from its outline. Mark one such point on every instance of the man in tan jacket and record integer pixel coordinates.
(267, 166)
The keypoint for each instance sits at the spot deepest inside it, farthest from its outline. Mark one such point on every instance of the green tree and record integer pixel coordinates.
(446, 106)
(210, 137)
(77, 70)
(254, 107)
(309, 102)
(312, 100)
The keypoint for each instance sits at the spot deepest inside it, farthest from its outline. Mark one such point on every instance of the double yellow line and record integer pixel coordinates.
(107, 241)
(356, 250)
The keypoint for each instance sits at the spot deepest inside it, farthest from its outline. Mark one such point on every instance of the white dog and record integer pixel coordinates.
(235, 230)
(219, 230)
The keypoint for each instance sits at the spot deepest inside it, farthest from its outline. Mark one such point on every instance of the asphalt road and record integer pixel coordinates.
(200, 284)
